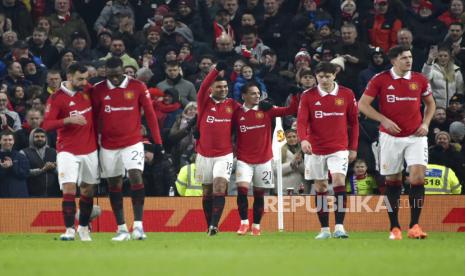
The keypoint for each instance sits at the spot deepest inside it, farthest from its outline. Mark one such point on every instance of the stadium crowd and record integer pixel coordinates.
(171, 45)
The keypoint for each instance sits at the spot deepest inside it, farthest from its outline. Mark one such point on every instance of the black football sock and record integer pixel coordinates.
(116, 200)
(207, 204)
(138, 197)
(341, 202)
(218, 206)
(416, 199)
(242, 202)
(393, 191)
(322, 207)
(69, 209)
(85, 209)
(258, 205)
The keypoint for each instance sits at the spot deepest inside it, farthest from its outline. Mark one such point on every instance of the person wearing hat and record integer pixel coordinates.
(80, 46)
(455, 109)
(427, 28)
(251, 47)
(102, 48)
(378, 62)
(382, 26)
(19, 50)
(151, 45)
(63, 22)
(438, 123)
(348, 15)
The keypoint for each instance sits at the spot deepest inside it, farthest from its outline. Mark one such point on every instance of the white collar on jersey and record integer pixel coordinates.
(123, 84)
(407, 76)
(66, 90)
(255, 107)
(216, 101)
(333, 92)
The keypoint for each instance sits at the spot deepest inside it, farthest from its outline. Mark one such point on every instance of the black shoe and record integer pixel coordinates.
(212, 230)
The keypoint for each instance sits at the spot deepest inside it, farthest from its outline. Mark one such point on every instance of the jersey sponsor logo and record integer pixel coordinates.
(391, 87)
(107, 97)
(80, 112)
(109, 108)
(320, 114)
(318, 103)
(259, 115)
(129, 95)
(413, 86)
(339, 101)
(212, 119)
(71, 103)
(394, 98)
(246, 128)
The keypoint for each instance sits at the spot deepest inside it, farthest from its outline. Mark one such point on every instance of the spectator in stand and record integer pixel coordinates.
(56, 41)
(18, 101)
(187, 14)
(15, 77)
(181, 140)
(274, 81)
(103, 44)
(5, 113)
(251, 47)
(293, 165)
(20, 17)
(378, 63)
(151, 45)
(382, 26)
(455, 109)
(444, 76)
(224, 50)
(174, 79)
(67, 58)
(447, 154)
(81, 47)
(349, 15)
(167, 109)
(14, 168)
(453, 14)
(118, 49)
(41, 46)
(204, 66)
(63, 22)
(248, 75)
(168, 37)
(159, 174)
(427, 28)
(214, 28)
(126, 32)
(247, 19)
(5, 24)
(438, 123)
(361, 182)
(34, 119)
(52, 84)
(111, 14)
(8, 40)
(43, 176)
(36, 75)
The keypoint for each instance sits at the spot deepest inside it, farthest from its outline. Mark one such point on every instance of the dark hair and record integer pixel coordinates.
(76, 67)
(395, 51)
(246, 30)
(40, 29)
(457, 24)
(305, 72)
(114, 62)
(220, 78)
(248, 85)
(169, 15)
(326, 67)
(39, 130)
(210, 57)
(7, 132)
(172, 63)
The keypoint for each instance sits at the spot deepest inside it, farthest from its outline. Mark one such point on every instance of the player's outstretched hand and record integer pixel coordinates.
(221, 65)
(158, 151)
(390, 126)
(306, 147)
(76, 120)
(265, 104)
(422, 130)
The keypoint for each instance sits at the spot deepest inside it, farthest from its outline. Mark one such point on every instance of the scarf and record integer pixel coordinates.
(219, 30)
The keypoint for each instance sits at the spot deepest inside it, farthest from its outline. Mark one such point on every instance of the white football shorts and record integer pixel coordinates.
(261, 175)
(209, 168)
(77, 168)
(318, 166)
(114, 162)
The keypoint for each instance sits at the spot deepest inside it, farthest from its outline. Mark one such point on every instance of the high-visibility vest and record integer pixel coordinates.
(440, 180)
(186, 184)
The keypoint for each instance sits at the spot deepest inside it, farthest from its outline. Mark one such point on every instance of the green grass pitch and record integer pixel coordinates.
(229, 254)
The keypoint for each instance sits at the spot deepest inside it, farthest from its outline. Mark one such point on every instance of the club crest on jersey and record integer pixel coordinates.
(259, 115)
(413, 86)
(129, 95)
(339, 101)
(229, 110)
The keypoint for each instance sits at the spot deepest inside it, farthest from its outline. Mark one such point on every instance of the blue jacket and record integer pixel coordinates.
(13, 180)
(240, 81)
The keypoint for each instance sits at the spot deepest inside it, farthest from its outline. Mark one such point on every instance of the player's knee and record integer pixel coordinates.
(135, 176)
(418, 180)
(115, 181)
(69, 188)
(321, 186)
(87, 190)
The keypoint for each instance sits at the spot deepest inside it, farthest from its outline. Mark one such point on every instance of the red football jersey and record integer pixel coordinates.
(400, 99)
(214, 121)
(118, 113)
(329, 121)
(75, 139)
(254, 130)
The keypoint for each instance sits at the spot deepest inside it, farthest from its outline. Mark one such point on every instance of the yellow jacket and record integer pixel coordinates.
(440, 180)
(186, 184)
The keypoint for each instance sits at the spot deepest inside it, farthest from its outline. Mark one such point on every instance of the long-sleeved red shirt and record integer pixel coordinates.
(75, 139)
(214, 121)
(118, 113)
(329, 121)
(253, 130)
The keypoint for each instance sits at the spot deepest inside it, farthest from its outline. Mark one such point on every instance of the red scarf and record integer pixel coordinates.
(220, 30)
(162, 110)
